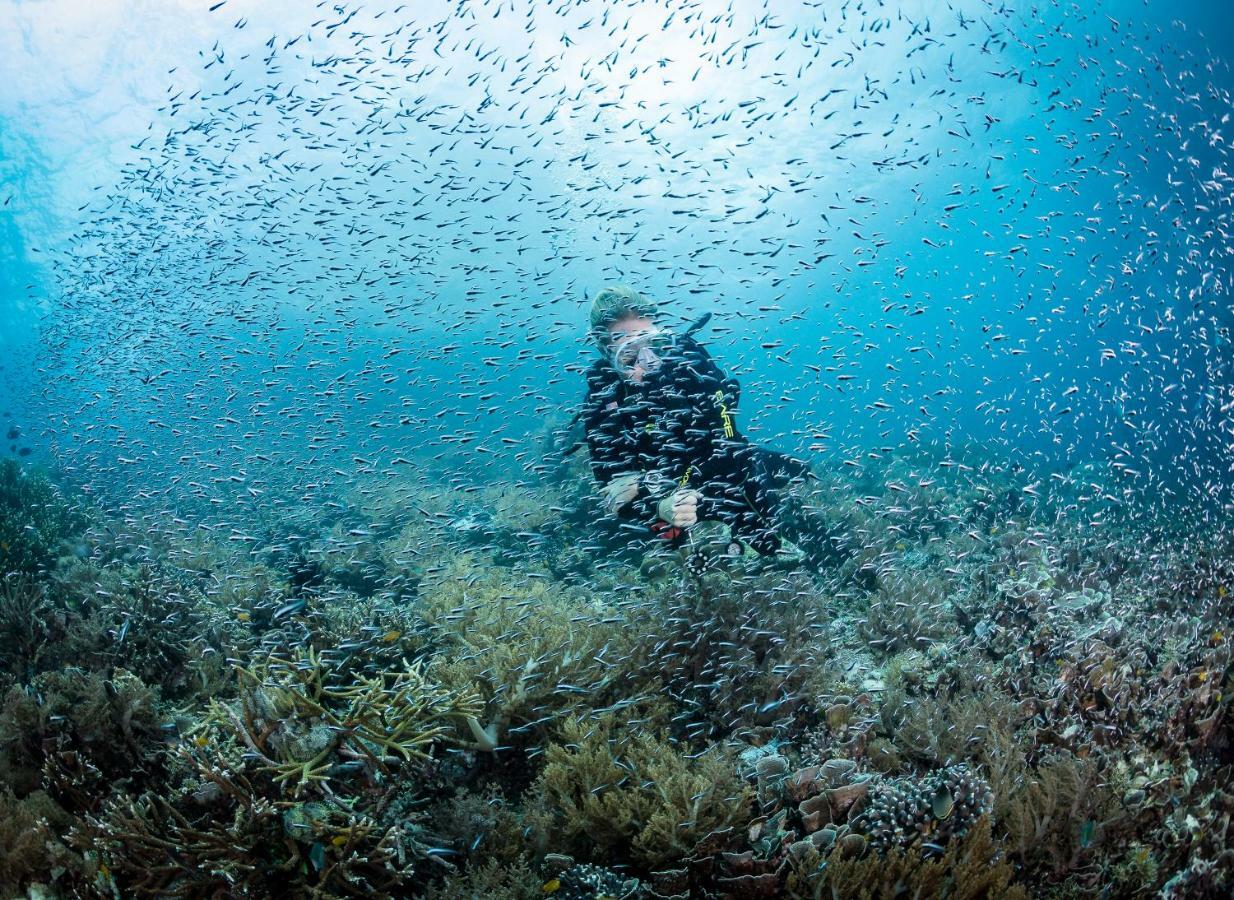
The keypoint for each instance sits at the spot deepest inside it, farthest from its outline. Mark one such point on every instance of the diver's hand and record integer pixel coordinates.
(680, 508)
(620, 491)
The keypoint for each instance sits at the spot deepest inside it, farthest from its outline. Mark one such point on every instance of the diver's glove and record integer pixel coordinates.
(680, 508)
(620, 491)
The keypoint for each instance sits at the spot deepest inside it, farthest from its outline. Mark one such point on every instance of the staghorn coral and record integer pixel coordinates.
(379, 627)
(982, 730)
(626, 791)
(227, 836)
(158, 621)
(251, 591)
(350, 557)
(290, 787)
(1136, 872)
(302, 722)
(155, 627)
(26, 625)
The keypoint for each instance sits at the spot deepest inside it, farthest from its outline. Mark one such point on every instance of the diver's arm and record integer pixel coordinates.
(610, 457)
(707, 376)
(713, 397)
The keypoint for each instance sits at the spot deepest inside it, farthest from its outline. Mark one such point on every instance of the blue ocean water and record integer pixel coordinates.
(917, 225)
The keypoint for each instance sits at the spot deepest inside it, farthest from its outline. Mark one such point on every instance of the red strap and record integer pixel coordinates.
(666, 531)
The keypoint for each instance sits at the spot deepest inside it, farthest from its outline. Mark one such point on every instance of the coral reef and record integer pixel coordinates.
(936, 809)
(733, 649)
(25, 625)
(534, 650)
(302, 722)
(908, 611)
(622, 791)
(36, 519)
(971, 868)
(478, 692)
(228, 836)
(78, 721)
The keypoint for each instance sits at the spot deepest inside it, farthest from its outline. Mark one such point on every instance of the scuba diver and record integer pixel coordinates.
(659, 421)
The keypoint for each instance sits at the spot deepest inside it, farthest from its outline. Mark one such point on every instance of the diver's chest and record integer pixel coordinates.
(644, 418)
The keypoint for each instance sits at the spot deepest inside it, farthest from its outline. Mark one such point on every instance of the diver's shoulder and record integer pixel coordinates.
(599, 375)
(691, 350)
(689, 344)
(599, 370)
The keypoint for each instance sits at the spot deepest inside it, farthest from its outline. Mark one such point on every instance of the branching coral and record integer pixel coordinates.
(301, 721)
(287, 785)
(111, 722)
(24, 625)
(732, 651)
(618, 790)
(909, 610)
(978, 729)
(35, 517)
(491, 880)
(488, 826)
(533, 650)
(31, 846)
(1096, 706)
(155, 627)
(971, 869)
(228, 836)
(1059, 817)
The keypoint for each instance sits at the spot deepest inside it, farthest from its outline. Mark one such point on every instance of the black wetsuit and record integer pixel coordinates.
(678, 427)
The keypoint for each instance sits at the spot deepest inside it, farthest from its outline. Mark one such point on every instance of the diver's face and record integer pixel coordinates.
(625, 329)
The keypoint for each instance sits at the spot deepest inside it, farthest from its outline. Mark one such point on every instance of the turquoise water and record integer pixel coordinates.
(1006, 228)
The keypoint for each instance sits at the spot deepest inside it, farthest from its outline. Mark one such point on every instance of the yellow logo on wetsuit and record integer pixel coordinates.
(725, 416)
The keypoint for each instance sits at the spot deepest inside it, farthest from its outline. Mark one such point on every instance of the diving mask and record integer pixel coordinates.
(643, 349)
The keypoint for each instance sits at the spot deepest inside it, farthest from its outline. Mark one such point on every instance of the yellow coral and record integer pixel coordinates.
(619, 788)
(531, 648)
(973, 868)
